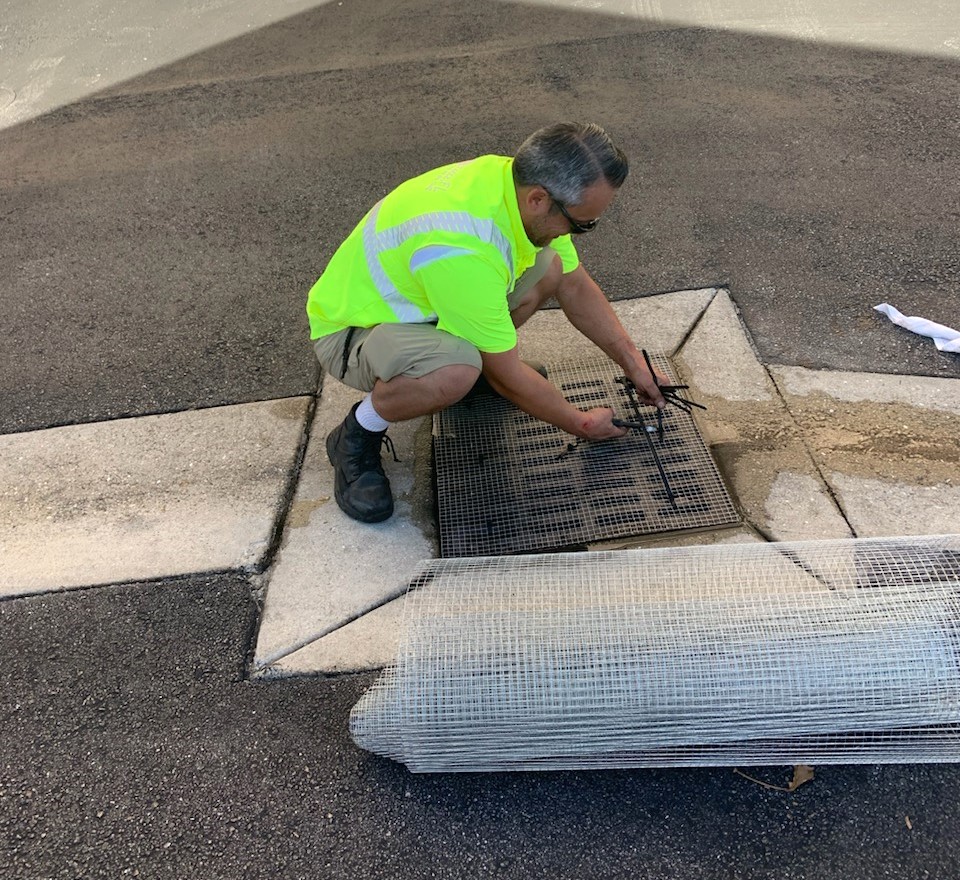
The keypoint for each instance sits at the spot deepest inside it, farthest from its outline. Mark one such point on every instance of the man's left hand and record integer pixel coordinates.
(647, 385)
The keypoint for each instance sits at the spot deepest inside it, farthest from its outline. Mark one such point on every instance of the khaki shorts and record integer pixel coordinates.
(389, 350)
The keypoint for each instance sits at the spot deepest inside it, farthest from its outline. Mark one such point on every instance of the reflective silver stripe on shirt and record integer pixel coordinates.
(432, 252)
(375, 243)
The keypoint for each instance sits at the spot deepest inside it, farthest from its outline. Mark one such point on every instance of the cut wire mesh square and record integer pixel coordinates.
(509, 483)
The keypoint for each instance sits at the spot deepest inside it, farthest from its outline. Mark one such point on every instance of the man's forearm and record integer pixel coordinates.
(541, 399)
(586, 307)
(527, 389)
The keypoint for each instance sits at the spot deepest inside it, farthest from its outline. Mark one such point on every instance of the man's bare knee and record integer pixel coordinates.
(456, 381)
(403, 397)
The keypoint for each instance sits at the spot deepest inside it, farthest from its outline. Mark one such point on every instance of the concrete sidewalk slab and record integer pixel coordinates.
(887, 446)
(928, 28)
(752, 435)
(331, 569)
(50, 59)
(657, 323)
(882, 508)
(145, 498)
(720, 359)
(369, 642)
(923, 392)
(799, 507)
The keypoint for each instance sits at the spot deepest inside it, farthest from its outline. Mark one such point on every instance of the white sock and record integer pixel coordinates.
(368, 418)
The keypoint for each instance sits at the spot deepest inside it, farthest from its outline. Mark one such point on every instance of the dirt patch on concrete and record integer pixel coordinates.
(816, 435)
(868, 439)
(885, 441)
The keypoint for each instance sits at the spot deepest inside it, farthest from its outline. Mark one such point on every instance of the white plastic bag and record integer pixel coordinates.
(945, 338)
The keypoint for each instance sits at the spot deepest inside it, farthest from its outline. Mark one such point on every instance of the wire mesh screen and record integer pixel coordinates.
(835, 651)
(508, 483)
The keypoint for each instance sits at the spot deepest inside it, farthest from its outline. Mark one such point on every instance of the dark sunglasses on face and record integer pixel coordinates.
(576, 226)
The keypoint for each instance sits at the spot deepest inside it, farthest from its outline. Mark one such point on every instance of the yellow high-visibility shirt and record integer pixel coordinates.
(446, 247)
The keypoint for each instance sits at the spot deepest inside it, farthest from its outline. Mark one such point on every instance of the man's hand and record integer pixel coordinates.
(597, 424)
(646, 385)
(589, 311)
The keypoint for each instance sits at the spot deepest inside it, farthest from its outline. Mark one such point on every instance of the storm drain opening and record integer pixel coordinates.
(509, 483)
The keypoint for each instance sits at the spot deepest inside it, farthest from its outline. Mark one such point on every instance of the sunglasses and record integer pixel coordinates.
(576, 226)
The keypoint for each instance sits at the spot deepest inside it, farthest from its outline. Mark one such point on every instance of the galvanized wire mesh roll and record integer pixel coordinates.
(806, 652)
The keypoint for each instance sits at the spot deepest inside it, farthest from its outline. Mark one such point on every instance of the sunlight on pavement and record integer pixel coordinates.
(927, 27)
(48, 60)
(50, 57)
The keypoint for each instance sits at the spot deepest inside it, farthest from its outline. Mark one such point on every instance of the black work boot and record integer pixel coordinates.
(361, 487)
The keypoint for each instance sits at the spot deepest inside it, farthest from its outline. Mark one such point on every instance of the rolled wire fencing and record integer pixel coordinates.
(771, 653)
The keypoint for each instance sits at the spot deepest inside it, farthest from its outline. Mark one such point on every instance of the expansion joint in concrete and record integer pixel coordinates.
(745, 331)
(696, 321)
(811, 454)
(260, 578)
(261, 668)
(290, 489)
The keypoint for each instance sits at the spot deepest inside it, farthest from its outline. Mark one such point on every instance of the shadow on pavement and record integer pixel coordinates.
(160, 237)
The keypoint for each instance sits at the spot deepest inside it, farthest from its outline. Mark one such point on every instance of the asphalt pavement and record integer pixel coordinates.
(159, 236)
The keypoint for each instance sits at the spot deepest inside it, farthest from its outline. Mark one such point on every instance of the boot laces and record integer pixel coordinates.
(370, 458)
(390, 447)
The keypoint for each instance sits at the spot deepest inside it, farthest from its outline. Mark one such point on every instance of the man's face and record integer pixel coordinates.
(547, 221)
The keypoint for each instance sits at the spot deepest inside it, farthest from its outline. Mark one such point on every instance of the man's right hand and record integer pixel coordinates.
(597, 424)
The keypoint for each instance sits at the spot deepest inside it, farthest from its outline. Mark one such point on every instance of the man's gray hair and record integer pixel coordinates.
(567, 157)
